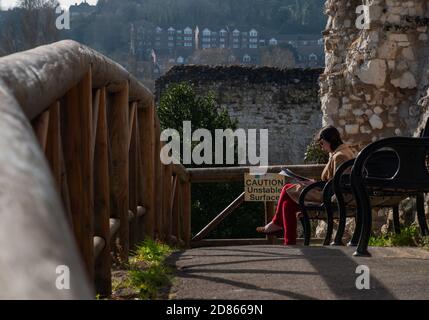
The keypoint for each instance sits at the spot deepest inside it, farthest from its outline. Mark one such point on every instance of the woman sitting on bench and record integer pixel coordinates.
(285, 219)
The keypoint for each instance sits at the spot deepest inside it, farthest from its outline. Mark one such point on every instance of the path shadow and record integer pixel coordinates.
(338, 270)
(335, 267)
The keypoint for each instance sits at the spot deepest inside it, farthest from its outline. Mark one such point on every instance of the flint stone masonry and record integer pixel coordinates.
(378, 75)
(285, 102)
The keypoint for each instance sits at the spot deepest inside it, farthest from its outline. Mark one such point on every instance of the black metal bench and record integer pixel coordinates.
(409, 179)
(384, 164)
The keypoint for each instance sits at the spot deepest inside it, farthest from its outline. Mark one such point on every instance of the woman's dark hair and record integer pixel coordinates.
(331, 135)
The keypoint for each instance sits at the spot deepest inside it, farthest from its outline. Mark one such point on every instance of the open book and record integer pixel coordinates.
(288, 173)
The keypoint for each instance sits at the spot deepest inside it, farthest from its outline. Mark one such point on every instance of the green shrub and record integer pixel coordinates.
(315, 154)
(409, 237)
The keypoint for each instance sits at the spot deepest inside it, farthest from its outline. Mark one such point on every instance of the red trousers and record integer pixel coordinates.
(286, 216)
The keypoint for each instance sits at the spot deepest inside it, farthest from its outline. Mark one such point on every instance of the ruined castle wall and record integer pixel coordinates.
(376, 75)
(285, 102)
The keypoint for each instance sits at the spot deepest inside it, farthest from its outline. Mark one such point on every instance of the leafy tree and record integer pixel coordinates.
(181, 103)
(31, 24)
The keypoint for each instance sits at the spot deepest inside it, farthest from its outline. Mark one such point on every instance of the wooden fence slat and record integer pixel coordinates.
(53, 144)
(76, 123)
(103, 282)
(159, 171)
(95, 110)
(41, 127)
(118, 124)
(133, 170)
(148, 142)
(176, 207)
(167, 201)
(186, 213)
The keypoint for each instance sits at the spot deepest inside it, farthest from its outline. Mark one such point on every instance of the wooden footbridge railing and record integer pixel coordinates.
(79, 160)
(81, 176)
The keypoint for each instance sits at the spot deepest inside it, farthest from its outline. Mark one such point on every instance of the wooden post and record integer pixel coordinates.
(53, 145)
(186, 214)
(103, 283)
(176, 207)
(76, 129)
(118, 135)
(148, 140)
(41, 127)
(269, 215)
(133, 171)
(167, 216)
(159, 185)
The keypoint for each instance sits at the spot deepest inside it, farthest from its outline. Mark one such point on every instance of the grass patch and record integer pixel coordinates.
(146, 274)
(409, 237)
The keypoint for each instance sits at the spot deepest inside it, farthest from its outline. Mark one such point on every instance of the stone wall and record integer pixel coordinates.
(375, 77)
(285, 102)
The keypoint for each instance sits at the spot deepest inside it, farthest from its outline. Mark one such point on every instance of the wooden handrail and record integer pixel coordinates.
(208, 175)
(88, 170)
(42, 75)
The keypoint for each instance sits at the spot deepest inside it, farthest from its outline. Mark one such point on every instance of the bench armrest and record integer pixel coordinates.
(307, 189)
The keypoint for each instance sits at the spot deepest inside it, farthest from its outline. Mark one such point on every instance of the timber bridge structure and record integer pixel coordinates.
(81, 176)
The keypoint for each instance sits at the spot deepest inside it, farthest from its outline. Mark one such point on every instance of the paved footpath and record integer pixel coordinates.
(277, 272)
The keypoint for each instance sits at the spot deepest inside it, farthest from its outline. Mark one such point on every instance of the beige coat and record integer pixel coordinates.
(341, 155)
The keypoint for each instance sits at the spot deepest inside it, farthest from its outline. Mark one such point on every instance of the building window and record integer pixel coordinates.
(188, 44)
(273, 42)
(180, 60)
(170, 38)
(188, 30)
(246, 58)
(253, 33)
(312, 57)
(253, 46)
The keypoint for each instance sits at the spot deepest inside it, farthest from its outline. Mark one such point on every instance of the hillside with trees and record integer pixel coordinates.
(108, 29)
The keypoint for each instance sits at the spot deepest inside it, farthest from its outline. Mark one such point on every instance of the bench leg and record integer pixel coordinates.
(330, 222)
(303, 225)
(307, 227)
(396, 222)
(364, 213)
(421, 215)
(338, 241)
(358, 229)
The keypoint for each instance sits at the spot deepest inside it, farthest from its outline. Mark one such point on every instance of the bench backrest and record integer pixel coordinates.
(397, 162)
